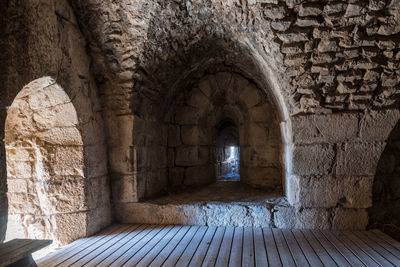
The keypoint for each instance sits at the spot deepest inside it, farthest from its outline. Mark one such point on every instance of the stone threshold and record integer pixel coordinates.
(220, 204)
(235, 204)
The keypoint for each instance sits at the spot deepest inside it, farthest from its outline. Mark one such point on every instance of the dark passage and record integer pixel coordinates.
(228, 152)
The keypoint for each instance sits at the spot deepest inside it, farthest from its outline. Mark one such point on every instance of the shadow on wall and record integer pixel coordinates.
(384, 213)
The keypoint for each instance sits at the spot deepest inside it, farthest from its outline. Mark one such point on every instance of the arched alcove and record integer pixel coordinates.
(227, 151)
(218, 106)
(45, 165)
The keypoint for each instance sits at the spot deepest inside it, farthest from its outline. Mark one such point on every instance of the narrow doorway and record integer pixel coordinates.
(228, 151)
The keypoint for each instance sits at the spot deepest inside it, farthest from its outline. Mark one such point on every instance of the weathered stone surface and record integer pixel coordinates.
(54, 118)
(313, 159)
(212, 214)
(325, 128)
(262, 177)
(199, 175)
(329, 191)
(191, 155)
(358, 158)
(309, 10)
(377, 125)
(351, 219)
(293, 218)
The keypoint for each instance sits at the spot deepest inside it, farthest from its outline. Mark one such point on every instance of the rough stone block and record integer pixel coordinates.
(349, 219)
(98, 219)
(68, 160)
(20, 154)
(187, 115)
(156, 182)
(325, 128)
(174, 135)
(98, 192)
(281, 25)
(62, 196)
(358, 158)
(327, 46)
(191, 155)
(58, 116)
(121, 159)
(197, 99)
(260, 156)
(175, 176)
(200, 175)
(256, 134)
(294, 218)
(20, 203)
(251, 96)
(124, 188)
(190, 135)
(21, 169)
(70, 227)
(17, 185)
(15, 227)
(312, 159)
(275, 13)
(237, 215)
(329, 191)
(293, 37)
(96, 160)
(353, 10)
(377, 125)
(260, 114)
(309, 10)
(61, 136)
(267, 178)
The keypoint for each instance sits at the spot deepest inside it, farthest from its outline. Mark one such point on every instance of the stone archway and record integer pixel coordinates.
(192, 138)
(45, 165)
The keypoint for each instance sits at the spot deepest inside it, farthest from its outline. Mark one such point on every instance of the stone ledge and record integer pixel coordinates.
(210, 214)
(243, 214)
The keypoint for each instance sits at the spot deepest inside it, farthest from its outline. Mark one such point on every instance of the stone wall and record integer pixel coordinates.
(38, 39)
(331, 70)
(335, 159)
(329, 67)
(45, 165)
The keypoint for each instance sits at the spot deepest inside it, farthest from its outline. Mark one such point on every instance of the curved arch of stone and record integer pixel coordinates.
(197, 111)
(327, 64)
(56, 166)
(45, 165)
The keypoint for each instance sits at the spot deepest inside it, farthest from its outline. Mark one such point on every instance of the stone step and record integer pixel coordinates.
(254, 214)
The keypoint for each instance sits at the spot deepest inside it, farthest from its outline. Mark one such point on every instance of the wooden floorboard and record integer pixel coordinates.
(172, 245)
(167, 250)
(319, 250)
(236, 250)
(272, 251)
(192, 247)
(283, 249)
(308, 251)
(177, 252)
(294, 248)
(330, 248)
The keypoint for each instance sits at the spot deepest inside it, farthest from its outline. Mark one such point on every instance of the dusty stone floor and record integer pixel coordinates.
(221, 191)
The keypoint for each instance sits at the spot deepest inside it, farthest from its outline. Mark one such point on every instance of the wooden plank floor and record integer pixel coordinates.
(172, 245)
